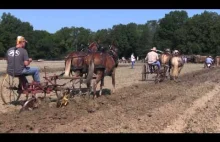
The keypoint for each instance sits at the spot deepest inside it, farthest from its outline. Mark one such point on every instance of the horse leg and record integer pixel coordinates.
(98, 78)
(157, 72)
(80, 83)
(168, 71)
(171, 70)
(77, 74)
(71, 73)
(164, 69)
(113, 81)
(88, 88)
(101, 84)
(179, 71)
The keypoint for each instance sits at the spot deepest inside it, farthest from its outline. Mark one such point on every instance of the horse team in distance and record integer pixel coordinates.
(171, 63)
(104, 63)
(201, 59)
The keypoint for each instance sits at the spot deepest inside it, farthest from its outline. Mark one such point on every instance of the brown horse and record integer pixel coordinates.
(199, 58)
(165, 58)
(177, 64)
(105, 64)
(75, 62)
(79, 62)
(217, 60)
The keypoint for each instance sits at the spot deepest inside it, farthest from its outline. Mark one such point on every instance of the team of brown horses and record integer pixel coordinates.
(104, 63)
(172, 64)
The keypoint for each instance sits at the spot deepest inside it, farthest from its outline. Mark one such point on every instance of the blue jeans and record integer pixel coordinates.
(132, 64)
(157, 63)
(34, 71)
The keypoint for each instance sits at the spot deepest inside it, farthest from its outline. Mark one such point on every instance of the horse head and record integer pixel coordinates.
(93, 47)
(176, 53)
(167, 51)
(113, 51)
(113, 48)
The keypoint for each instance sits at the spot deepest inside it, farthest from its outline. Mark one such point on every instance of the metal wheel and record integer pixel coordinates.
(9, 90)
(161, 77)
(29, 104)
(144, 72)
(147, 71)
(157, 78)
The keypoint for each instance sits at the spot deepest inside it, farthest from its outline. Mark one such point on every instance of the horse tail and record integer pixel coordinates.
(90, 71)
(175, 69)
(67, 66)
(116, 64)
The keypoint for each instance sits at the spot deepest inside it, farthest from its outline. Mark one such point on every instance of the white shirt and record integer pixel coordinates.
(152, 57)
(132, 58)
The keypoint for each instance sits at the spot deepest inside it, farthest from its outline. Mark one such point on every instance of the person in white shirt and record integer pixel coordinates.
(132, 60)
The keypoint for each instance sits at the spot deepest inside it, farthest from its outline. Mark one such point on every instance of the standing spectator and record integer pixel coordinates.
(132, 60)
(185, 59)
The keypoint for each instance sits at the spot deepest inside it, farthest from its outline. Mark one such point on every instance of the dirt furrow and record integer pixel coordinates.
(137, 108)
(179, 124)
(206, 118)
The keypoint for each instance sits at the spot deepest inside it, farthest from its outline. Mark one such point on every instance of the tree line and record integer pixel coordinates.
(199, 34)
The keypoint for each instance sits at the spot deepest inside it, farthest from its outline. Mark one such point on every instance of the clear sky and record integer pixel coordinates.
(94, 19)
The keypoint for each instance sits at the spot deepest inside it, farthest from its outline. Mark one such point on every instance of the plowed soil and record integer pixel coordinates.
(190, 105)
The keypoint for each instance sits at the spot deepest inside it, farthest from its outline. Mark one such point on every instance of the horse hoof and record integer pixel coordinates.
(112, 91)
(80, 93)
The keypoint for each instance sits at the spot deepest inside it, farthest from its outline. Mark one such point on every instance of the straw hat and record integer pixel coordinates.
(154, 49)
(167, 50)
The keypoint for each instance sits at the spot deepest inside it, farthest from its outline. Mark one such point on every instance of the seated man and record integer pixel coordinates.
(153, 58)
(18, 61)
(209, 60)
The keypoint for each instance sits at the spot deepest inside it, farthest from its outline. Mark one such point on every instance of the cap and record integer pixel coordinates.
(20, 39)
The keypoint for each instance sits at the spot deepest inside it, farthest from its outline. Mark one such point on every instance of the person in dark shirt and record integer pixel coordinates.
(19, 56)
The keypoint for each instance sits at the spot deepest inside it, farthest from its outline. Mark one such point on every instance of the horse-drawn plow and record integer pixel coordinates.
(11, 91)
(147, 69)
(93, 65)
